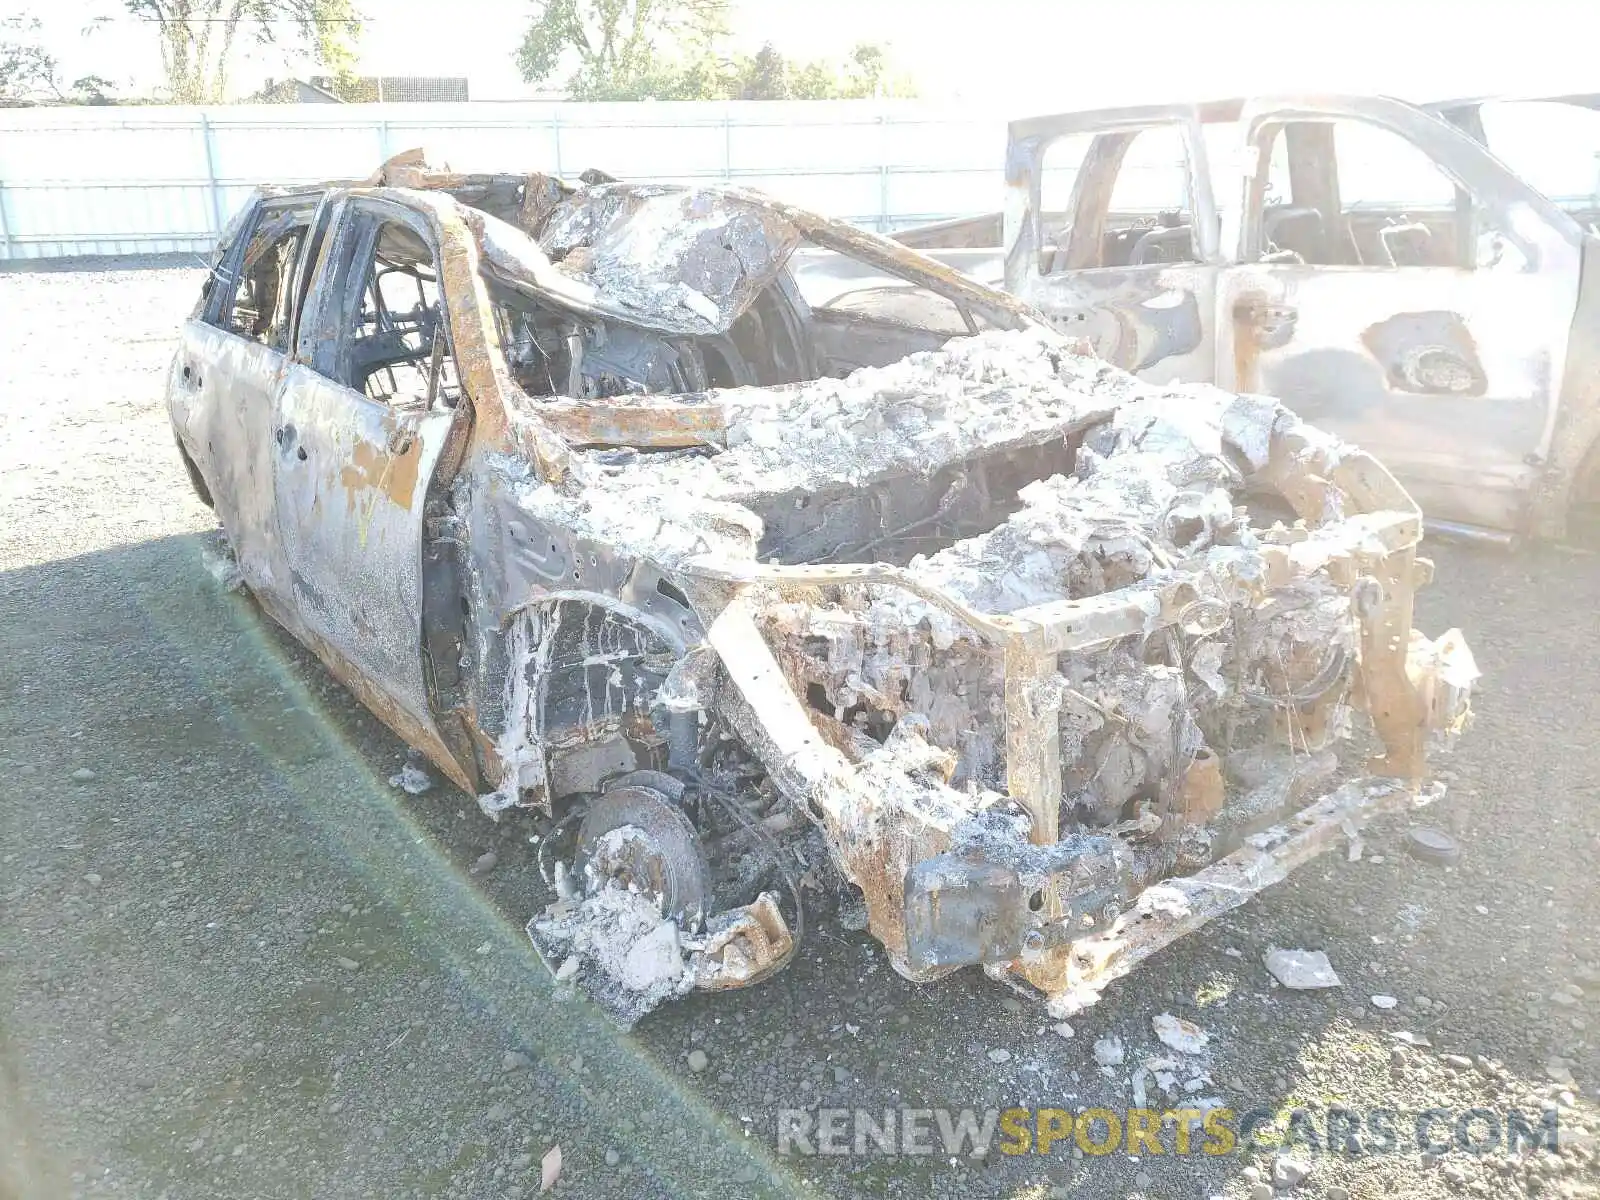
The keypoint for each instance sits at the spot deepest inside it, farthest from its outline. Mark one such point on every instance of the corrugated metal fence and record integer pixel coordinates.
(130, 180)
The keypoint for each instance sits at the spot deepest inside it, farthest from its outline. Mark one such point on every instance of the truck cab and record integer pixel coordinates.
(1370, 263)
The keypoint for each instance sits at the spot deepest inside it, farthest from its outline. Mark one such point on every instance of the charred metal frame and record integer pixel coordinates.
(879, 846)
(880, 822)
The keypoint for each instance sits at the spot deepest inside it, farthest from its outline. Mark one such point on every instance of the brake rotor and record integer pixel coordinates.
(636, 837)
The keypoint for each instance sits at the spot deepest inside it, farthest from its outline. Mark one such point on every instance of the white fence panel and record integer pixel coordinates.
(77, 181)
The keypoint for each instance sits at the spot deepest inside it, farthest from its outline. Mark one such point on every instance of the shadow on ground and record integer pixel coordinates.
(232, 950)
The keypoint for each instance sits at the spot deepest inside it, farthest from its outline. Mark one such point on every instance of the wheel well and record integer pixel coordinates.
(196, 480)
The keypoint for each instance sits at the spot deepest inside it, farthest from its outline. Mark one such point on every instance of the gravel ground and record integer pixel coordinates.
(234, 961)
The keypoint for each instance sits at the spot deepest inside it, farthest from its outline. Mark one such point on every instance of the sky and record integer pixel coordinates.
(1015, 56)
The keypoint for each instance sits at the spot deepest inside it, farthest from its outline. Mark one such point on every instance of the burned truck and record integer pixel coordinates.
(898, 612)
(1367, 262)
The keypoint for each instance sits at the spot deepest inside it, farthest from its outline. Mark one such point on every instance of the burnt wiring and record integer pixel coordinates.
(1328, 676)
(730, 805)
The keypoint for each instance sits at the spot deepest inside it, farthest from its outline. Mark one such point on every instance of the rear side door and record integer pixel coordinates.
(232, 355)
(1112, 233)
(1398, 286)
(361, 418)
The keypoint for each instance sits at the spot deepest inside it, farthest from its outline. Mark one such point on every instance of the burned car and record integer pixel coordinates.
(899, 612)
(1364, 260)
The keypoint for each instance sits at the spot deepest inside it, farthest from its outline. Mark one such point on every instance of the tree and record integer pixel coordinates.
(764, 77)
(198, 37)
(625, 49)
(672, 50)
(30, 72)
(768, 76)
(865, 69)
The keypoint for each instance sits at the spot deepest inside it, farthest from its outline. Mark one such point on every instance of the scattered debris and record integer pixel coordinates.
(485, 862)
(1556, 1068)
(219, 561)
(568, 883)
(1301, 969)
(1178, 1034)
(698, 1061)
(1432, 845)
(1289, 1172)
(1353, 850)
(83, 775)
(629, 957)
(1384, 1001)
(550, 1168)
(999, 1056)
(1108, 1052)
(1064, 1029)
(1404, 1035)
(411, 779)
(1411, 917)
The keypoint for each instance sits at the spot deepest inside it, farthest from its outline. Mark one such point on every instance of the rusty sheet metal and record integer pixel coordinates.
(350, 477)
(877, 250)
(1373, 549)
(742, 946)
(643, 421)
(480, 365)
(1033, 738)
(1167, 911)
(221, 400)
(878, 824)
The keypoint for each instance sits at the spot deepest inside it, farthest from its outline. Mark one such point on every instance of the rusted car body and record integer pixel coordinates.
(1027, 663)
(1365, 261)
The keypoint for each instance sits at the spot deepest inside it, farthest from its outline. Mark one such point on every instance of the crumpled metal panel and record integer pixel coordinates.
(351, 477)
(691, 259)
(221, 397)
